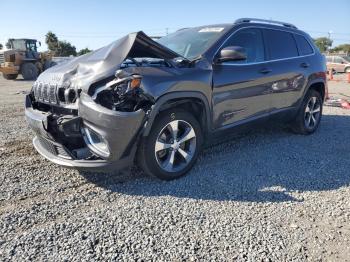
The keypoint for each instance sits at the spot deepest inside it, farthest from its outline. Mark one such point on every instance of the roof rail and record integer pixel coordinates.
(182, 29)
(249, 20)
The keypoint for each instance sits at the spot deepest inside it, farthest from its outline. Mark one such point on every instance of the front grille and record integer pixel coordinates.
(54, 148)
(2, 58)
(45, 93)
(47, 145)
(62, 152)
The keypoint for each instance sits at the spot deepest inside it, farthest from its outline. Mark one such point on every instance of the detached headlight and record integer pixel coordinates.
(135, 82)
(95, 142)
(120, 86)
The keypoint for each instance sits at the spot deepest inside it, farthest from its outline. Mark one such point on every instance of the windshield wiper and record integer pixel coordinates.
(197, 58)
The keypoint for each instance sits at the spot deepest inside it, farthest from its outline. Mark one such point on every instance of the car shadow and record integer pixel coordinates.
(266, 165)
(22, 80)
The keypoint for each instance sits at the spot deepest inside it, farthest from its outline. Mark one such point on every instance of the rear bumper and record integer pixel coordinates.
(119, 129)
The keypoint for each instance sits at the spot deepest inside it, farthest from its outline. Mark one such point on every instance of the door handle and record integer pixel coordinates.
(304, 65)
(267, 92)
(265, 71)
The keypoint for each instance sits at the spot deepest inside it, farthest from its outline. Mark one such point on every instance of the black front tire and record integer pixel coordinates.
(29, 71)
(300, 123)
(10, 77)
(147, 158)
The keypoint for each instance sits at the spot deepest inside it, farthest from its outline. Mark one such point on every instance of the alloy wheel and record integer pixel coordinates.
(312, 112)
(175, 146)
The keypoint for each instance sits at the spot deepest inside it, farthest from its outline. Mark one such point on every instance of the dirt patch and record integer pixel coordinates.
(18, 147)
(12, 111)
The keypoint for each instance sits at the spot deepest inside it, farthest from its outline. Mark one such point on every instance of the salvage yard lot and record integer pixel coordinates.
(266, 194)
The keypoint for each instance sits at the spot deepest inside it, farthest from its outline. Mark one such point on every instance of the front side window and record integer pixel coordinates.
(31, 46)
(280, 44)
(252, 41)
(338, 60)
(303, 45)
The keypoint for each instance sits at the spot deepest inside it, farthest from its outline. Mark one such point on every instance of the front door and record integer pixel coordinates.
(240, 89)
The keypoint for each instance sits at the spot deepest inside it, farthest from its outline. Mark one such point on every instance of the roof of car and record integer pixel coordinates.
(252, 22)
(25, 39)
(265, 21)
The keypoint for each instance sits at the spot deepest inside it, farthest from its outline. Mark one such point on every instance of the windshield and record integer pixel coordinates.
(192, 42)
(347, 58)
(19, 44)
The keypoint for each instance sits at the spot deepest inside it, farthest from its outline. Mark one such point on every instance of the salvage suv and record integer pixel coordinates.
(157, 103)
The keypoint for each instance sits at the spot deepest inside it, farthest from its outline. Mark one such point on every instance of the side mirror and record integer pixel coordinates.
(232, 53)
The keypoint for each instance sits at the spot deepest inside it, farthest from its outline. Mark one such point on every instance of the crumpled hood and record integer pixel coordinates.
(87, 69)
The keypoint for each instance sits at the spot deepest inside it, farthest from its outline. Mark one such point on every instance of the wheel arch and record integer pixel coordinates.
(318, 85)
(194, 101)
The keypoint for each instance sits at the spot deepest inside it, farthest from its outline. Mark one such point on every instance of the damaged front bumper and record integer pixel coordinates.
(117, 131)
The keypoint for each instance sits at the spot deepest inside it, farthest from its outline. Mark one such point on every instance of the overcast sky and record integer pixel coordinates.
(93, 23)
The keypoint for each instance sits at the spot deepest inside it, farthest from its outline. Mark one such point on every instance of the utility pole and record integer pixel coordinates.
(329, 37)
(329, 34)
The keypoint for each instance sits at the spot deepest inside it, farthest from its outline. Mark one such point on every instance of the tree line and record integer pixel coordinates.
(58, 47)
(325, 44)
(64, 48)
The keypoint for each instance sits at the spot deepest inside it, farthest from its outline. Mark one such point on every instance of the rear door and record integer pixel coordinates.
(240, 92)
(329, 60)
(289, 67)
(339, 64)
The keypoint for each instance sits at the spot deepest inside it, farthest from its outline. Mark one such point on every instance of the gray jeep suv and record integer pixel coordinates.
(157, 103)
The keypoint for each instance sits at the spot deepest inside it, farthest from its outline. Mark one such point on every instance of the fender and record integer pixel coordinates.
(309, 84)
(176, 95)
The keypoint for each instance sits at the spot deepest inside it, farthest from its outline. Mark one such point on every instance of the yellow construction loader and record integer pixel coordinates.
(22, 57)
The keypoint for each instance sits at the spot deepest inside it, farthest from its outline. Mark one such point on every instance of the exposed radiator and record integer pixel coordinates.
(53, 148)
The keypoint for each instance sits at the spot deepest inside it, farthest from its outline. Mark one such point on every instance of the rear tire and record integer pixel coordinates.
(309, 114)
(10, 77)
(29, 71)
(168, 154)
(347, 70)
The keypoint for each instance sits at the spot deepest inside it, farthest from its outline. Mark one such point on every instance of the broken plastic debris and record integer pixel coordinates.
(337, 102)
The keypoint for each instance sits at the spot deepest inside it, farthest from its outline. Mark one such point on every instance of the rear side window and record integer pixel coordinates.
(303, 45)
(252, 40)
(280, 44)
(338, 60)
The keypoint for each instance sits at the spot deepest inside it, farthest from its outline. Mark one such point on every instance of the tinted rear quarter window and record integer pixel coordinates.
(280, 44)
(303, 45)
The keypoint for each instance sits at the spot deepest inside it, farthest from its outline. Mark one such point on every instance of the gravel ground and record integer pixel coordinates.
(268, 195)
